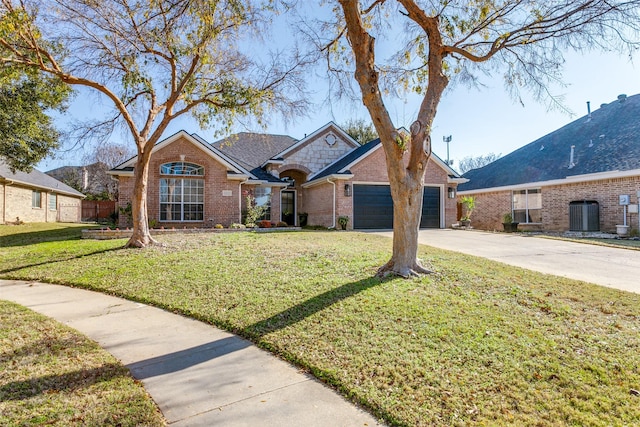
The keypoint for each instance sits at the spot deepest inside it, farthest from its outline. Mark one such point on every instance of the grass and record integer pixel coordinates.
(615, 243)
(475, 343)
(51, 375)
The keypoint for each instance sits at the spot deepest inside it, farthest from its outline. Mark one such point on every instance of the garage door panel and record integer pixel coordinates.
(373, 207)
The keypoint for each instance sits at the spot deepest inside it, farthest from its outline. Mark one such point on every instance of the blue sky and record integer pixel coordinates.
(480, 121)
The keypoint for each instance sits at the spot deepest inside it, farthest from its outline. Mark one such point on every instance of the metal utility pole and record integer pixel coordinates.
(447, 139)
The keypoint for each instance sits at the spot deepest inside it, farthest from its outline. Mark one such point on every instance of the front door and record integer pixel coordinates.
(288, 207)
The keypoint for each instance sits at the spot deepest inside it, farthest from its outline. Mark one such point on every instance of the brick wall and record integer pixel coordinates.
(17, 203)
(3, 217)
(69, 209)
(491, 206)
(319, 204)
(221, 196)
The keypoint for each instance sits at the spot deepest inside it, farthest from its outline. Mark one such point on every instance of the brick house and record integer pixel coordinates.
(36, 197)
(316, 179)
(568, 180)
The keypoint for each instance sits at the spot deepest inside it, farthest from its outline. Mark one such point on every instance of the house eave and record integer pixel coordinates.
(328, 179)
(237, 177)
(573, 179)
(120, 173)
(458, 181)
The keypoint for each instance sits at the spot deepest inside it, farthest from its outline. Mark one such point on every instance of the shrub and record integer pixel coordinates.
(237, 226)
(282, 224)
(218, 226)
(264, 224)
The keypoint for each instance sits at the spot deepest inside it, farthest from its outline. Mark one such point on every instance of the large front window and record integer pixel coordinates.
(527, 206)
(181, 199)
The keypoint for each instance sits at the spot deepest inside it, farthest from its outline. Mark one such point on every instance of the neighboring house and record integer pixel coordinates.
(568, 180)
(36, 197)
(323, 176)
(91, 179)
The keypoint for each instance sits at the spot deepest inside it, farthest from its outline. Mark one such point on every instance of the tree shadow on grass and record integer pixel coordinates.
(53, 261)
(82, 378)
(311, 306)
(34, 237)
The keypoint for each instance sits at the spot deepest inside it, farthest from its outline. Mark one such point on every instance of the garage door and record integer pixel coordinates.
(373, 207)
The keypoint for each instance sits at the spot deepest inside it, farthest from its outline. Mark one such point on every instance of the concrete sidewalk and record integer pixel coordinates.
(602, 265)
(197, 374)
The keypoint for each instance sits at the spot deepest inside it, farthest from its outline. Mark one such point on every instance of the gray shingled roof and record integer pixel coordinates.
(36, 179)
(252, 150)
(607, 141)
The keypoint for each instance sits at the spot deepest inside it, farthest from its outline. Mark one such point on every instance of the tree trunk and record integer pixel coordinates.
(407, 211)
(141, 236)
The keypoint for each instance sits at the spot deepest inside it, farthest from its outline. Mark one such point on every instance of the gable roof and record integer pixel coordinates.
(253, 149)
(608, 140)
(317, 132)
(342, 165)
(36, 179)
(232, 165)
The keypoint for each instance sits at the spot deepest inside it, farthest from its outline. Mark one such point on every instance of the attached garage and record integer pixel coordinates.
(373, 207)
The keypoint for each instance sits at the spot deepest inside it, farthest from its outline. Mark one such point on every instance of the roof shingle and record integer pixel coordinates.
(608, 140)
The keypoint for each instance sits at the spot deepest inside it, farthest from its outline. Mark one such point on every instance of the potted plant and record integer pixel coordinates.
(302, 219)
(343, 221)
(469, 204)
(508, 224)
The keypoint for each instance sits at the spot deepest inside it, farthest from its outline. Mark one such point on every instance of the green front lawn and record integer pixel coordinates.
(52, 375)
(475, 343)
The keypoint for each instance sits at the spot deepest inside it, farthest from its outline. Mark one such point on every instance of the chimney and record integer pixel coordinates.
(571, 164)
(85, 178)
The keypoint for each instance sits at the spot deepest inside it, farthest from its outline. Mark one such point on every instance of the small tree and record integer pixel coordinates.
(254, 211)
(155, 61)
(469, 205)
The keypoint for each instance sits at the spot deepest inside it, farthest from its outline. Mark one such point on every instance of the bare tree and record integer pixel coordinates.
(468, 163)
(155, 60)
(111, 154)
(448, 41)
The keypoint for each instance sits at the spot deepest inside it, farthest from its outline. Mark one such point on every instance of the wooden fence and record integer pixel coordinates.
(98, 210)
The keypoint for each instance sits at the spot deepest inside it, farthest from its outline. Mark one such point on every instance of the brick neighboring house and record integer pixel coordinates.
(568, 180)
(323, 176)
(36, 197)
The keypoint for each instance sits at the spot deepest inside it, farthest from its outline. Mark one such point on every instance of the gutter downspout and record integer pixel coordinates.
(240, 200)
(333, 217)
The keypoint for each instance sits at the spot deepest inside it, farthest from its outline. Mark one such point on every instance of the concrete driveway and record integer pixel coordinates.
(612, 267)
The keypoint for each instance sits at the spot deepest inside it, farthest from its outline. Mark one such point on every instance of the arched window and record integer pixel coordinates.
(182, 199)
(181, 168)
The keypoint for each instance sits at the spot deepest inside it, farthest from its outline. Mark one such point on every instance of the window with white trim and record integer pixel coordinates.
(181, 199)
(36, 199)
(527, 206)
(262, 197)
(53, 202)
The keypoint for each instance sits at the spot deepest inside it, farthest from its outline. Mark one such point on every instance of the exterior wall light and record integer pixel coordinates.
(347, 190)
(451, 192)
